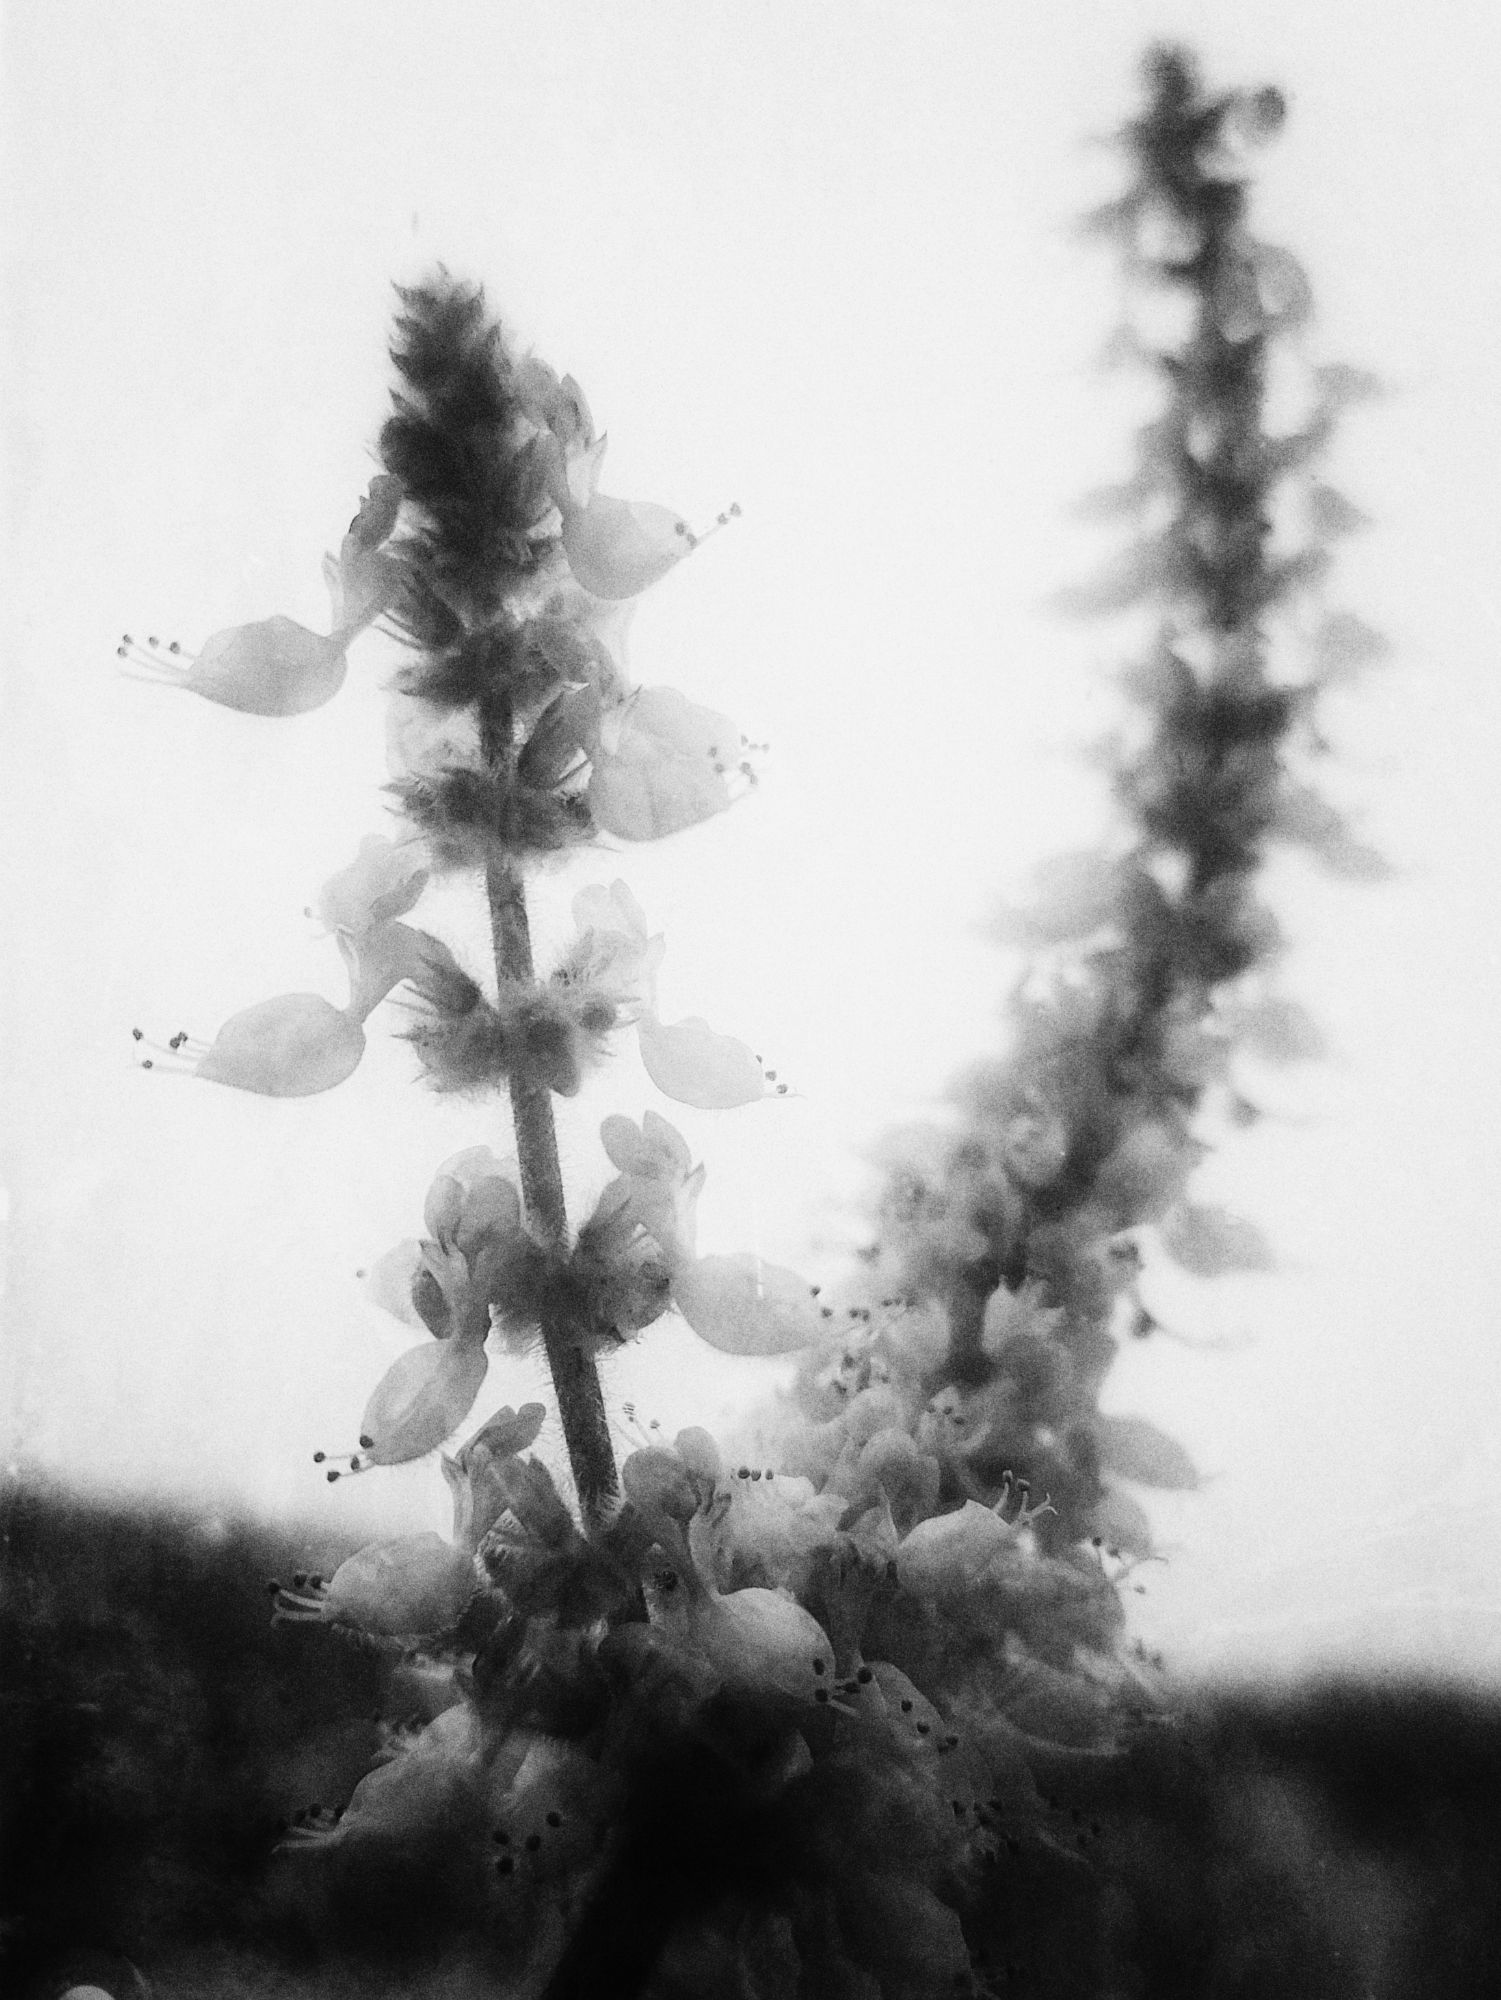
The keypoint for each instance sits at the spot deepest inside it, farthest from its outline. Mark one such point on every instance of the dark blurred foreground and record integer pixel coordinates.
(1340, 1840)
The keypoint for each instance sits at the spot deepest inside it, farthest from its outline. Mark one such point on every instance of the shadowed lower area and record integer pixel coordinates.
(1326, 1840)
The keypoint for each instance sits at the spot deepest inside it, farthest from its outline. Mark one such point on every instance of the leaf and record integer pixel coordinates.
(692, 1064)
(1209, 1241)
(422, 1399)
(742, 1305)
(293, 1046)
(1136, 1449)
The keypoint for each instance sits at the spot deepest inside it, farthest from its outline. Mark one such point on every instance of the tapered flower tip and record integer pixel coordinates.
(692, 1064)
(384, 880)
(663, 764)
(415, 1583)
(275, 667)
(618, 548)
(293, 1046)
(744, 1306)
(421, 1400)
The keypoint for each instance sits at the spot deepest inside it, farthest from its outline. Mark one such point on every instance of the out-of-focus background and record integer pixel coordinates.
(819, 261)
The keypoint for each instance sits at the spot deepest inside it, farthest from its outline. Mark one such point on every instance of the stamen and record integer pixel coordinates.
(342, 1465)
(731, 513)
(166, 665)
(178, 1057)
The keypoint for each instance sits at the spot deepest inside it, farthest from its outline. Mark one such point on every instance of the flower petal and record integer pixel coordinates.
(422, 1399)
(1137, 1450)
(471, 1198)
(275, 667)
(384, 880)
(692, 1064)
(509, 1431)
(380, 958)
(293, 1046)
(1208, 1241)
(662, 766)
(618, 548)
(389, 1281)
(413, 1583)
(742, 1305)
(662, 1184)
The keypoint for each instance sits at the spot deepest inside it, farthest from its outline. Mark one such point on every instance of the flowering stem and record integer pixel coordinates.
(575, 1379)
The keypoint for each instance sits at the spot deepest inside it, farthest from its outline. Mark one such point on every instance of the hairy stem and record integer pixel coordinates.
(581, 1403)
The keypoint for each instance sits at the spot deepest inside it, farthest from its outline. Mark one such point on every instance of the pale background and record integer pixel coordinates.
(817, 259)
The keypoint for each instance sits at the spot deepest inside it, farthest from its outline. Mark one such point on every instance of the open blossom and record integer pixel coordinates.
(276, 667)
(477, 1264)
(299, 1044)
(687, 1060)
(385, 880)
(739, 1303)
(615, 548)
(411, 1584)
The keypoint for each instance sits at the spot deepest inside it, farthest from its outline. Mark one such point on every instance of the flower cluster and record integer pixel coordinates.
(841, 1717)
